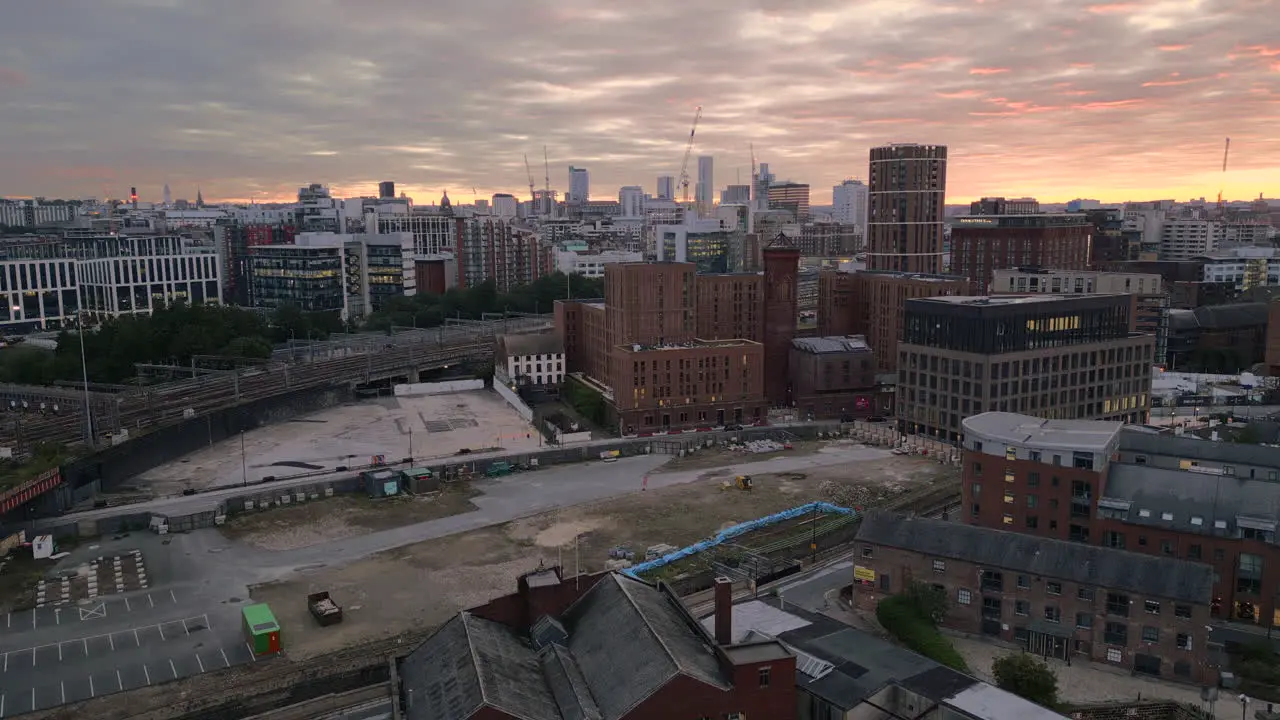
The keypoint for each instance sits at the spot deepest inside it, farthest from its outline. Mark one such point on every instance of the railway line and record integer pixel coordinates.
(300, 367)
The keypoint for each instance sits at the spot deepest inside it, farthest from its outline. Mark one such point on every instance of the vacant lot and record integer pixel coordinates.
(424, 584)
(342, 516)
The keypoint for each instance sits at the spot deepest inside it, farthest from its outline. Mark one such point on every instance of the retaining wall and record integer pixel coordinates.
(446, 387)
(514, 401)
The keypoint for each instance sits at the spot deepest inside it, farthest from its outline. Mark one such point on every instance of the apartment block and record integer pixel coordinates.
(1187, 239)
(982, 244)
(908, 184)
(792, 197)
(1150, 298)
(1144, 614)
(1054, 356)
(1100, 483)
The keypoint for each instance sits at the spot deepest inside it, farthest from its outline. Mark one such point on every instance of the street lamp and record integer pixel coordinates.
(84, 369)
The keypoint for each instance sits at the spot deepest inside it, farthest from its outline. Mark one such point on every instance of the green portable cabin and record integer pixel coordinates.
(420, 480)
(261, 629)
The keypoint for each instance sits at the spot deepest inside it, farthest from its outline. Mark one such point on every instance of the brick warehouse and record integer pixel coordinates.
(1055, 598)
(1101, 483)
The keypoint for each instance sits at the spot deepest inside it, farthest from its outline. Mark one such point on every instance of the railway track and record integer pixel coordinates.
(170, 404)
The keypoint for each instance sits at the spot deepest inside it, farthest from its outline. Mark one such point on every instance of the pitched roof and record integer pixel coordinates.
(660, 642)
(544, 343)
(1144, 575)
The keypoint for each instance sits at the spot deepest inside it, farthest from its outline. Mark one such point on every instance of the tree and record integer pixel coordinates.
(1024, 675)
(928, 601)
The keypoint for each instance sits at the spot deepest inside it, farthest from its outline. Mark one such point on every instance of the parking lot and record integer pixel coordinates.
(53, 656)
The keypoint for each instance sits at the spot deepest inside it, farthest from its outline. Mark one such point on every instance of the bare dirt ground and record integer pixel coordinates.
(426, 583)
(719, 456)
(342, 516)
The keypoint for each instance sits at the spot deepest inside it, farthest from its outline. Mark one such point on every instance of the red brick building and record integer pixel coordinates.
(835, 377)
(1100, 483)
(781, 266)
(981, 244)
(608, 647)
(1060, 599)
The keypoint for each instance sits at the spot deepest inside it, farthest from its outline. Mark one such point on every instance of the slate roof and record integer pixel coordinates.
(832, 344)
(521, 344)
(1198, 449)
(1186, 495)
(1146, 575)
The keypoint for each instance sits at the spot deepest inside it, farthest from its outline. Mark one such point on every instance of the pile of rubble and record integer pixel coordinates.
(846, 495)
(758, 446)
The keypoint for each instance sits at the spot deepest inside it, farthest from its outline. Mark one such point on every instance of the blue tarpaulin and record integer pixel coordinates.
(732, 532)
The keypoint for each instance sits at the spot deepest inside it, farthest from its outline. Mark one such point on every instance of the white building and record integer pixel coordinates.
(318, 211)
(124, 275)
(631, 198)
(592, 264)
(579, 185)
(849, 200)
(1243, 268)
(177, 219)
(31, 213)
(1187, 239)
(706, 184)
(433, 234)
(39, 293)
(505, 205)
(532, 359)
(666, 187)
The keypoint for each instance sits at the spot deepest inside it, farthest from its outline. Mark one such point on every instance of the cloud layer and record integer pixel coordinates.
(247, 98)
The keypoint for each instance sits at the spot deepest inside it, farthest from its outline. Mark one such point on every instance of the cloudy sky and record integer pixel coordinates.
(252, 98)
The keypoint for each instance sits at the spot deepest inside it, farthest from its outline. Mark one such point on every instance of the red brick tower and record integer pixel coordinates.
(781, 260)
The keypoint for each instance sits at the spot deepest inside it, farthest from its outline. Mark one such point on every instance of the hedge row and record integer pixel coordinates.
(900, 619)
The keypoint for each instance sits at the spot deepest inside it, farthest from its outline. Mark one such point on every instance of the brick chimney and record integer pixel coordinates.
(724, 611)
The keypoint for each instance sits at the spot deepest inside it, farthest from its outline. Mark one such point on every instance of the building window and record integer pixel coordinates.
(867, 551)
(1182, 611)
(1008, 498)
(1152, 607)
(992, 580)
(1052, 614)
(1118, 604)
(977, 468)
(1032, 522)
(1084, 593)
(939, 566)
(1007, 519)
(1053, 587)
(1193, 552)
(1033, 479)
(977, 489)
(964, 597)
(1114, 655)
(1023, 583)
(1084, 620)
(1150, 634)
(764, 677)
(1021, 607)
(1009, 476)
(1249, 574)
(1031, 501)
(1116, 633)
(1184, 641)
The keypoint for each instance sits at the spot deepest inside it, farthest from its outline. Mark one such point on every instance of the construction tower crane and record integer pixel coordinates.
(1222, 208)
(546, 170)
(688, 150)
(532, 197)
(755, 181)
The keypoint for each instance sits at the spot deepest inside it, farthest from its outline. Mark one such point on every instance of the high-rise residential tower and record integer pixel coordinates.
(849, 199)
(706, 184)
(386, 189)
(908, 197)
(666, 187)
(579, 185)
(631, 198)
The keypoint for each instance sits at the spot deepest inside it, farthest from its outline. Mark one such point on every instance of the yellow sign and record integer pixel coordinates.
(862, 574)
(1275, 618)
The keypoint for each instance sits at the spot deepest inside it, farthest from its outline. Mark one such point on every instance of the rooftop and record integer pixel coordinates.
(1202, 503)
(832, 344)
(691, 345)
(545, 343)
(1145, 575)
(993, 300)
(1067, 435)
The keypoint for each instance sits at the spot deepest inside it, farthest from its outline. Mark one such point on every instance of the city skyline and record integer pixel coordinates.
(1055, 100)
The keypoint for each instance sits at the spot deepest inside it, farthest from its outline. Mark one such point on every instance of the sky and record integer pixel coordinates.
(250, 99)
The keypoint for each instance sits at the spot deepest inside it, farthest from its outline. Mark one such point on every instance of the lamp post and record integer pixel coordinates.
(84, 369)
(244, 466)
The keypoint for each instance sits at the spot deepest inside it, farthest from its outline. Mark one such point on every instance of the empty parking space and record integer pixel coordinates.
(89, 610)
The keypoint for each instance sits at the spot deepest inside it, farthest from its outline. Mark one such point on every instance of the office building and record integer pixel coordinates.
(908, 186)
(1056, 356)
(386, 190)
(1113, 241)
(123, 275)
(1003, 206)
(1150, 299)
(760, 193)
(981, 244)
(870, 303)
(34, 213)
(736, 195)
(311, 278)
(827, 239)
(792, 197)
(1242, 268)
(1057, 599)
(38, 294)
(666, 187)
(849, 202)
(703, 242)
(729, 306)
(592, 264)
(1187, 239)
(1127, 488)
(433, 232)
(703, 192)
(318, 211)
(835, 378)
(233, 241)
(579, 185)
(505, 205)
(631, 200)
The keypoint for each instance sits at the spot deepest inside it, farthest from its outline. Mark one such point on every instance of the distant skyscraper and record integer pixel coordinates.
(736, 195)
(763, 180)
(579, 185)
(504, 205)
(908, 207)
(168, 196)
(666, 187)
(706, 184)
(386, 189)
(790, 196)
(631, 198)
(849, 199)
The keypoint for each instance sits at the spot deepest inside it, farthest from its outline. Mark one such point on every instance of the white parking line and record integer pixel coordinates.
(148, 674)
(63, 685)
(33, 698)
(173, 597)
(252, 657)
(201, 662)
(126, 605)
(119, 682)
(225, 661)
(135, 637)
(111, 639)
(6, 662)
(1, 705)
(59, 652)
(153, 602)
(184, 627)
(86, 647)
(173, 668)
(33, 627)
(160, 627)
(91, 692)
(8, 620)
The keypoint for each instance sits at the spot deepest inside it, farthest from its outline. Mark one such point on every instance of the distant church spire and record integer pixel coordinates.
(168, 196)
(199, 198)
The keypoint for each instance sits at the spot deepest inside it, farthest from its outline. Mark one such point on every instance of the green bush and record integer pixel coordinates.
(898, 615)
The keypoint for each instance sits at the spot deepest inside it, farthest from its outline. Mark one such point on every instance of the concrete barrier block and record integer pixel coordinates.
(219, 519)
(328, 491)
(248, 504)
(314, 496)
(300, 497)
(285, 500)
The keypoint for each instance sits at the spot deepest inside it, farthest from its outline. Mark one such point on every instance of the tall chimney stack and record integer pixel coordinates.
(724, 611)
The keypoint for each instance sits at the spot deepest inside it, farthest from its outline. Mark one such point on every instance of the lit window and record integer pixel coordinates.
(1008, 519)
(1008, 498)
(964, 597)
(1114, 655)
(939, 566)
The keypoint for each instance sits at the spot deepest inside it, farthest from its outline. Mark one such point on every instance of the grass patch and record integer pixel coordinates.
(901, 618)
(44, 457)
(18, 581)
